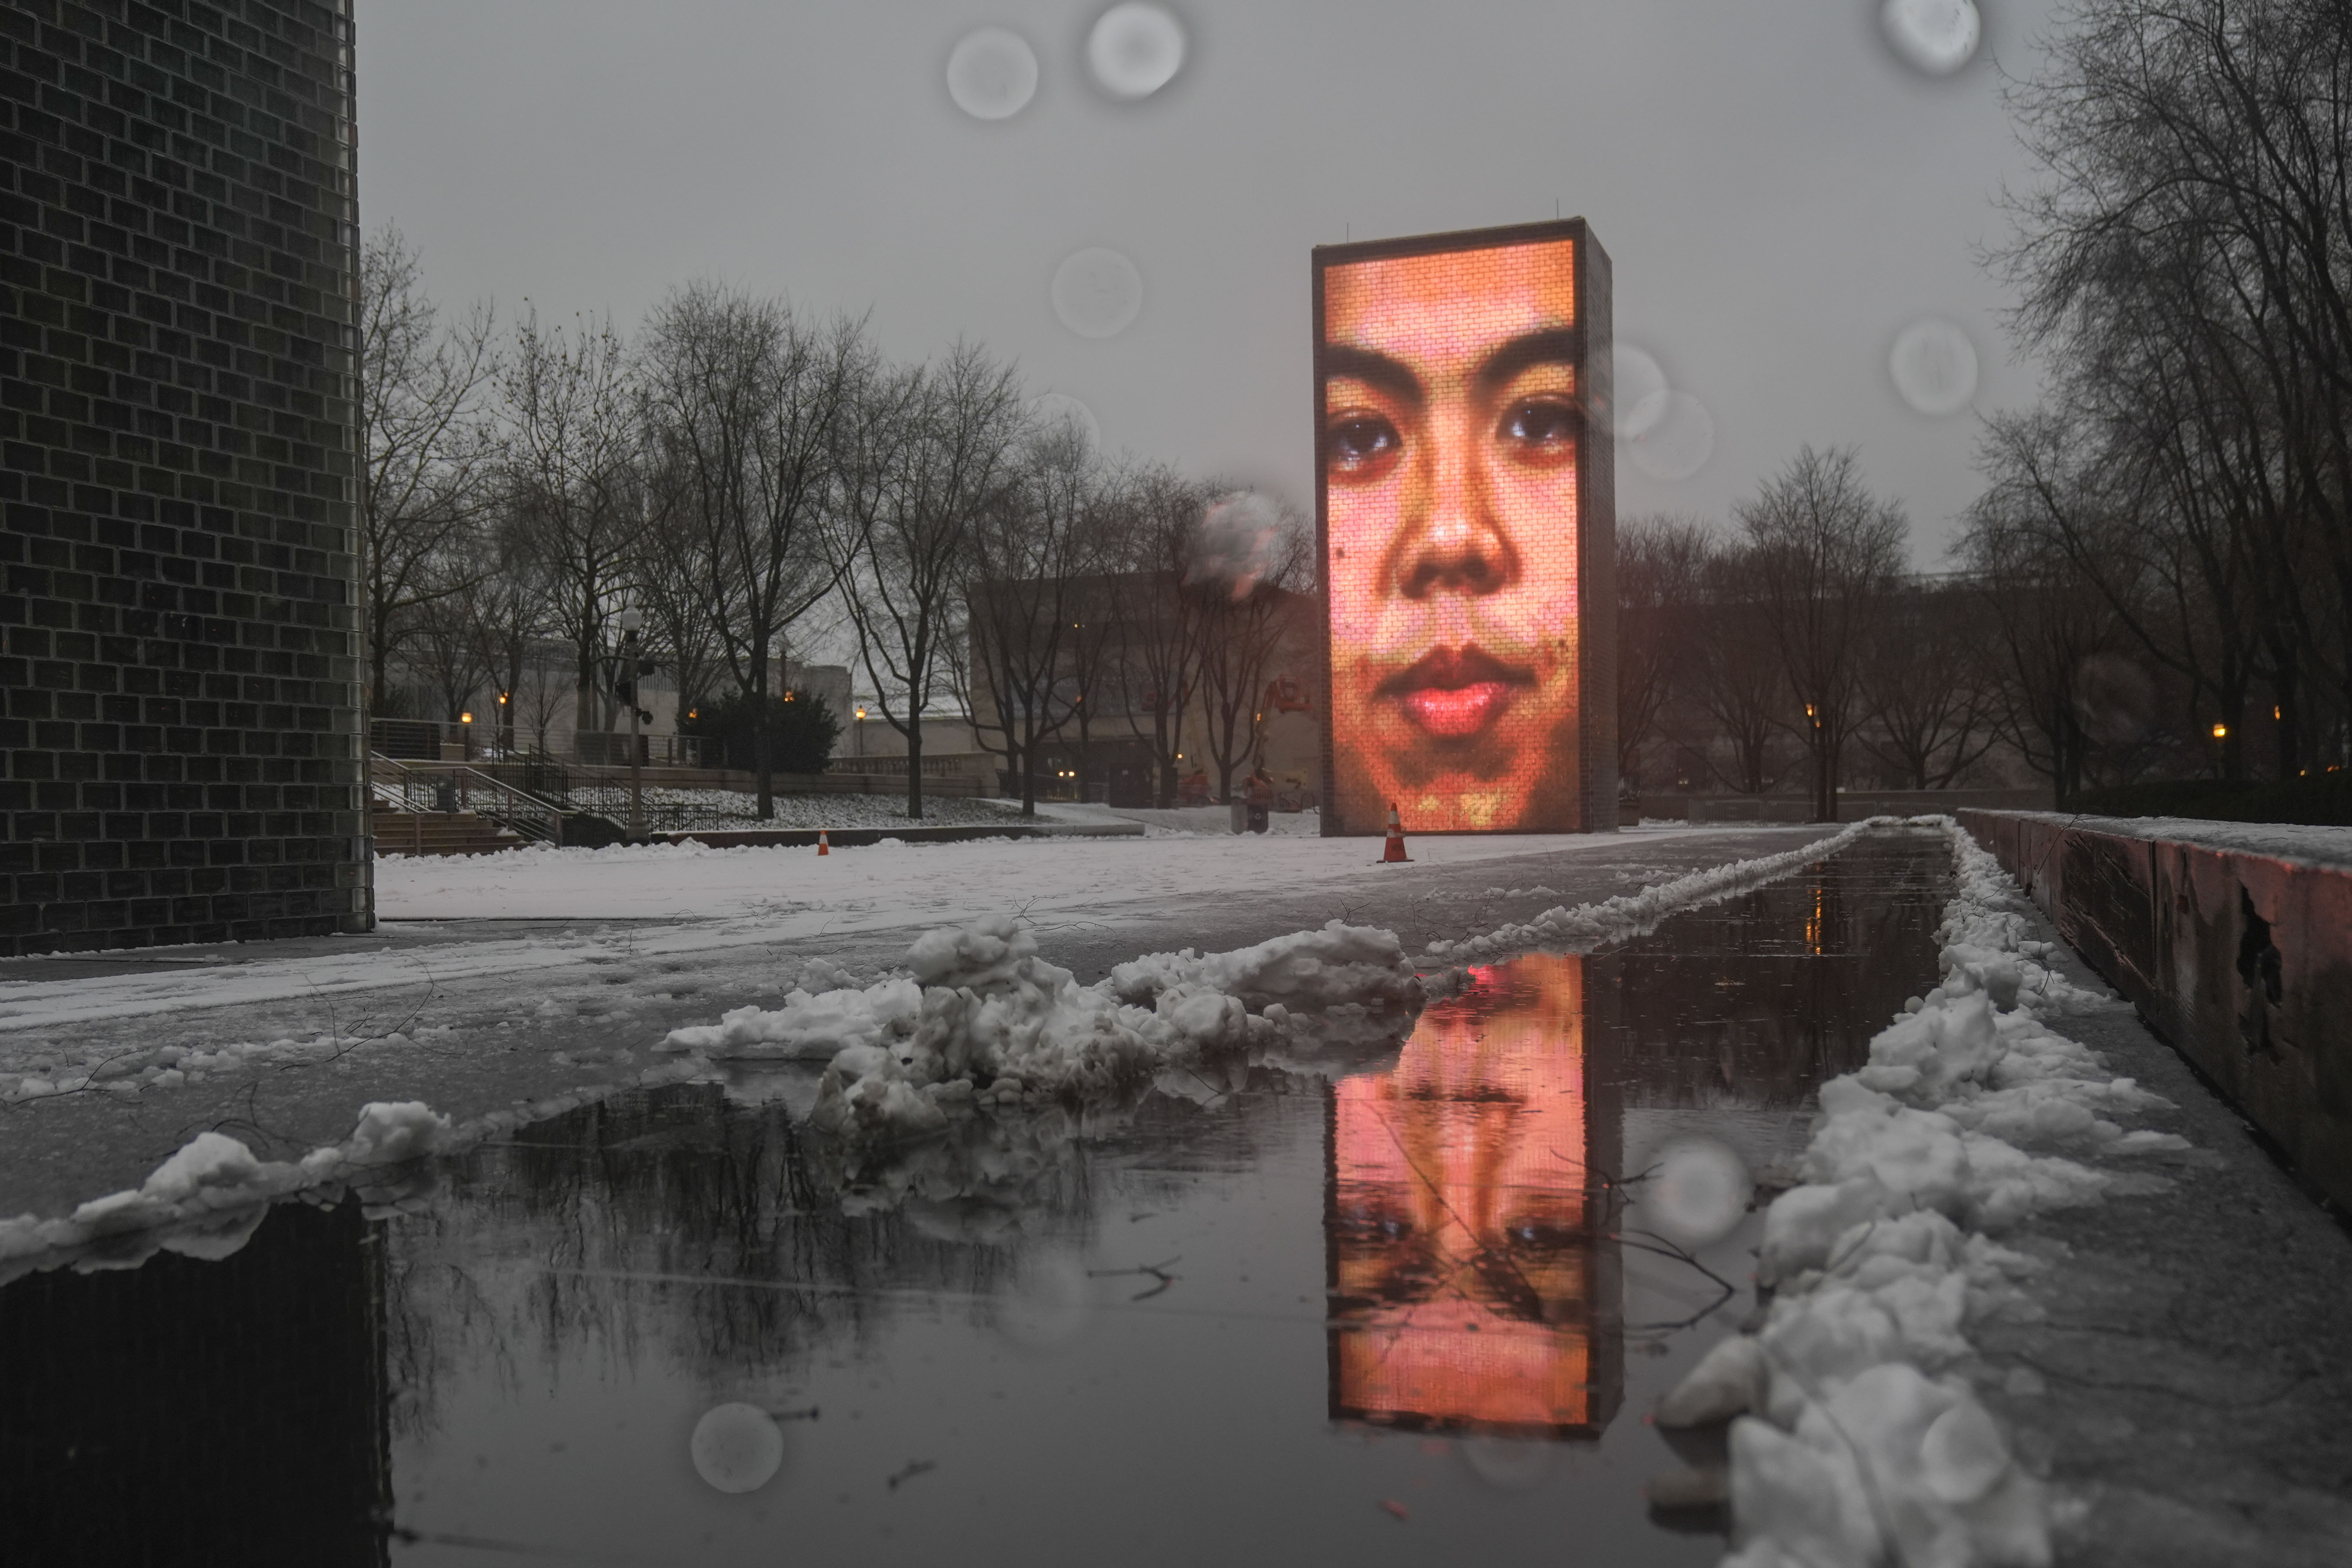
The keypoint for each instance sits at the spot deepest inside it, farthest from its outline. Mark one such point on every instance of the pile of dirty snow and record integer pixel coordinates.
(978, 1017)
(1852, 1443)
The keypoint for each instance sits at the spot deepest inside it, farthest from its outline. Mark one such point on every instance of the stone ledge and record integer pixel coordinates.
(2233, 939)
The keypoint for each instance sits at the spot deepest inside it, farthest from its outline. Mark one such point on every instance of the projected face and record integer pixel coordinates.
(1461, 1244)
(1450, 443)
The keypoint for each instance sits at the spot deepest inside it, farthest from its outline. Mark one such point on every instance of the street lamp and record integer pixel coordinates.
(466, 719)
(2221, 731)
(857, 730)
(633, 620)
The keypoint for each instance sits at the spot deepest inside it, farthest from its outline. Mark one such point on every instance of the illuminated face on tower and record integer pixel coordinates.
(1454, 439)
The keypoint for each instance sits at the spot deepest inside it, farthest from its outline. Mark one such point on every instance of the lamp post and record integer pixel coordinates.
(857, 731)
(466, 719)
(632, 620)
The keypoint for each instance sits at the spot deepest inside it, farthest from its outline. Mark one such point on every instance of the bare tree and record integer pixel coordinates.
(508, 619)
(444, 654)
(1160, 626)
(1662, 567)
(2182, 266)
(743, 402)
(423, 461)
(1030, 548)
(1925, 696)
(2052, 615)
(924, 454)
(1251, 563)
(683, 619)
(1739, 676)
(1824, 551)
(571, 477)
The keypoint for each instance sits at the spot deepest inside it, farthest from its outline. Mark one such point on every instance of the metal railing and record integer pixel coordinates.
(442, 741)
(452, 786)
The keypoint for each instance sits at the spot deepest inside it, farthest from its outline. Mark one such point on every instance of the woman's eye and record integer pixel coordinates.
(1359, 443)
(1541, 424)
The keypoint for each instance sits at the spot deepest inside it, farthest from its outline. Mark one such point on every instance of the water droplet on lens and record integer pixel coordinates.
(1098, 293)
(992, 73)
(1697, 1191)
(1679, 441)
(1640, 389)
(1507, 1463)
(1054, 411)
(2115, 699)
(1934, 367)
(1134, 49)
(1937, 36)
(1050, 1301)
(737, 1447)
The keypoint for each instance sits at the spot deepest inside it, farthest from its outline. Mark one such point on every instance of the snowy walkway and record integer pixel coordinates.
(515, 978)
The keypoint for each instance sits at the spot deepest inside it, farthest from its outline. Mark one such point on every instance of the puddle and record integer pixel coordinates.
(1407, 1311)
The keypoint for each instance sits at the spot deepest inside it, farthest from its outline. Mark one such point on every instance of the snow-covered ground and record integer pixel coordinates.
(797, 889)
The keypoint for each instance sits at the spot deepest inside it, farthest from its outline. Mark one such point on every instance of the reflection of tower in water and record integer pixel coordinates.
(1467, 1221)
(193, 1412)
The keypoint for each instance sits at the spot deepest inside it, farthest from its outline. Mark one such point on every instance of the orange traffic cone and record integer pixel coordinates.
(1395, 850)
(821, 846)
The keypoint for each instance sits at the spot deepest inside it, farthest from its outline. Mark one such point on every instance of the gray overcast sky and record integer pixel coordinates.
(1779, 194)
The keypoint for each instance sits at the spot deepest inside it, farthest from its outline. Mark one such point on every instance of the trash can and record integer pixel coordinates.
(445, 795)
(1240, 809)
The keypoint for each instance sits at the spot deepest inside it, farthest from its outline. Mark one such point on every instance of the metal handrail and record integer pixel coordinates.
(420, 791)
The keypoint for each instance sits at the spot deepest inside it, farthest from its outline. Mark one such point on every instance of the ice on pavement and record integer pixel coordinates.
(981, 1017)
(1852, 1442)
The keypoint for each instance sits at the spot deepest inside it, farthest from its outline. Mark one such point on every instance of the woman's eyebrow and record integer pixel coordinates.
(1392, 376)
(1547, 345)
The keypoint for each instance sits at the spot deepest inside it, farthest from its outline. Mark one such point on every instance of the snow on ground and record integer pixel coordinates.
(1853, 1441)
(796, 890)
(2319, 846)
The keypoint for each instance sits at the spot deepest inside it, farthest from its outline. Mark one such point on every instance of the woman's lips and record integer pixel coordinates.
(1453, 711)
(1451, 693)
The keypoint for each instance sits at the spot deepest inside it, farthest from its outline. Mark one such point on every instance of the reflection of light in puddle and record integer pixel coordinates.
(737, 1447)
(1463, 1239)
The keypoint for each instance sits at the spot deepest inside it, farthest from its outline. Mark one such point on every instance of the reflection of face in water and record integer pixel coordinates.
(1461, 1230)
(1451, 429)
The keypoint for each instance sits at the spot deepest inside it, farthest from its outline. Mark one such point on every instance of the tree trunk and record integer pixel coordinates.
(762, 750)
(914, 765)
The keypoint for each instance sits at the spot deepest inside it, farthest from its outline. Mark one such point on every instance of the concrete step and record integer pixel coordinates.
(440, 833)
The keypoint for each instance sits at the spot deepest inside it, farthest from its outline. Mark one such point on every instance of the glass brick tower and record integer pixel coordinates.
(180, 754)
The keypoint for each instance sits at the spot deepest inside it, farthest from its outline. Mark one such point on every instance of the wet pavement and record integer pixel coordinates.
(490, 1016)
(1385, 1304)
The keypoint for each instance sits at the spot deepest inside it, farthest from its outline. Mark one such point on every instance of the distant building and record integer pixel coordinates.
(177, 370)
(1254, 706)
